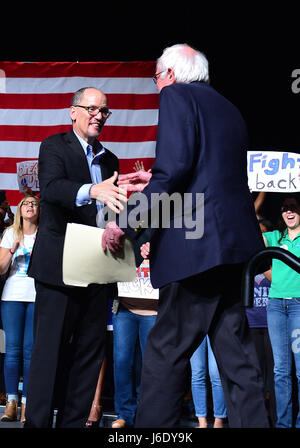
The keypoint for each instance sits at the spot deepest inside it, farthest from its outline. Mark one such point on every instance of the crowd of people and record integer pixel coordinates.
(55, 335)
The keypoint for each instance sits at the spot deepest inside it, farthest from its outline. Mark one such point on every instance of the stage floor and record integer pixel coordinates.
(187, 421)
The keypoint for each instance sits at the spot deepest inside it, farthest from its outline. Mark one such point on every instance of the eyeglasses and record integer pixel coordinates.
(291, 208)
(93, 110)
(156, 76)
(33, 203)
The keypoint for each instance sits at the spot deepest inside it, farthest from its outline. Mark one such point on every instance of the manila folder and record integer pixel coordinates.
(85, 262)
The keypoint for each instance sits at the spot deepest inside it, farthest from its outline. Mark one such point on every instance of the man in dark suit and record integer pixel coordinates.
(75, 170)
(201, 148)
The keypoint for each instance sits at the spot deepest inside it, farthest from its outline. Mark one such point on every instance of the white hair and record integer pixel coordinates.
(188, 63)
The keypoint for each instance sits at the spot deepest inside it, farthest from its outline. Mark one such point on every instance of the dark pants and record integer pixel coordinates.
(69, 345)
(263, 347)
(208, 303)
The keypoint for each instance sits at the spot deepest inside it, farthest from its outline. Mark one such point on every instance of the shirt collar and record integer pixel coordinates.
(84, 144)
(286, 235)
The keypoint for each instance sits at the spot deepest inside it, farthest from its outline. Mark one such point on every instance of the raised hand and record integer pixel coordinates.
(138, 166)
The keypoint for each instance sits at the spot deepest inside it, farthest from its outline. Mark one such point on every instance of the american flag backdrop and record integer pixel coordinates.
(35, 99)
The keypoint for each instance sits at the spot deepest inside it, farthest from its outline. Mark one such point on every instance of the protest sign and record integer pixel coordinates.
(27, 173)
(141, 287)
(273, 171)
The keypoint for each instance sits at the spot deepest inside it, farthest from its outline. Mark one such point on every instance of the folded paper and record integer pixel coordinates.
(85, 262)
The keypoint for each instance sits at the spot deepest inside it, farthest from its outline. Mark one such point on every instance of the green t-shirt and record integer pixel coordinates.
(285, 281)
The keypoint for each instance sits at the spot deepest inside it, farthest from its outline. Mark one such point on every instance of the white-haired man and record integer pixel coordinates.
(201, 148)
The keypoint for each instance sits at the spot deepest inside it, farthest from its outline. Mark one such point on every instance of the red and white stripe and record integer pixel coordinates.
(35, 99)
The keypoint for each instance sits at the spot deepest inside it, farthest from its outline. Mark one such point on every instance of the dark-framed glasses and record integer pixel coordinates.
(93, 110)
(156, 76)
(33, 203)
(290, 207)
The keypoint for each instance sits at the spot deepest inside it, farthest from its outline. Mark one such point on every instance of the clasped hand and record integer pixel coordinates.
(110, 195)
(135, 181)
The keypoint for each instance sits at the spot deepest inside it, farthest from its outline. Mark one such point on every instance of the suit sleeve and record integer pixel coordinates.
(178, 144)
(55, 186)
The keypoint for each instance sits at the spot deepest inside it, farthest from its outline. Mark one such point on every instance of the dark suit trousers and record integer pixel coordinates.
(69, 344)
(208, 303)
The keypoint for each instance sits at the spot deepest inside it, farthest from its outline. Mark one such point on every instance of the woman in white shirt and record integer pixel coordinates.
(17, 302)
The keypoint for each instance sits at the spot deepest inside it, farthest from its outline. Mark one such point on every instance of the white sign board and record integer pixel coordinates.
(273, 171)
(141, 287)
(27, 173)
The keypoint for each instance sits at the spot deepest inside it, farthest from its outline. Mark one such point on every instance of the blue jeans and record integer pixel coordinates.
(284, 329)
(202, 362)
(17, 320)
(128, 329)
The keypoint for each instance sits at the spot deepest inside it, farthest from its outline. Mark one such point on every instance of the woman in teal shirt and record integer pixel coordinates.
(283, 310)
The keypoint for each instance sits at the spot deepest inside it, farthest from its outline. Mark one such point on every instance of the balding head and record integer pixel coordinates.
(78, 95)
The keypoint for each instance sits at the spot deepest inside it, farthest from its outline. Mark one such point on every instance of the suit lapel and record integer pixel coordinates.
(103, 161)
(104, 168)
(79, 154)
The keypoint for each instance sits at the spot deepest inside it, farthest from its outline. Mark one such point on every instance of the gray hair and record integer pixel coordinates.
(188, 63)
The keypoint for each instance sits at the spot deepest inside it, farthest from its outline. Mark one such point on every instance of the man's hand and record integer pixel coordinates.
(112, 237)
(135, 181)
(145, 250)
(110, 195)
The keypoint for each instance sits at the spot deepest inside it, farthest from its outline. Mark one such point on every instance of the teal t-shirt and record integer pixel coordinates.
(285, 281)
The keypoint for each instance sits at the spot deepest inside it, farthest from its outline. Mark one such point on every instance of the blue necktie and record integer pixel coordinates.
(89, 153)
(96, 175)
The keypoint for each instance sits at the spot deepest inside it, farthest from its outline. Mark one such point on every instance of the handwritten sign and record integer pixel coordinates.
(273, 171)
(141, 287)
(27, 173)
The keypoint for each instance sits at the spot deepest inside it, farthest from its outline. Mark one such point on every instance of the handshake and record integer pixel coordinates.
(112, 196)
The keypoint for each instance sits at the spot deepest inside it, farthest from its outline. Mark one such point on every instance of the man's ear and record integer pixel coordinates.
(73, 113)
(171, 75)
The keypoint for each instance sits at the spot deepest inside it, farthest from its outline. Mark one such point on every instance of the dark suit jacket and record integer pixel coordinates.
(63, 169)
(201, 147)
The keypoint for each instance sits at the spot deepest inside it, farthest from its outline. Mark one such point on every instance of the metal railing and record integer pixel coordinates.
(253, 265)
